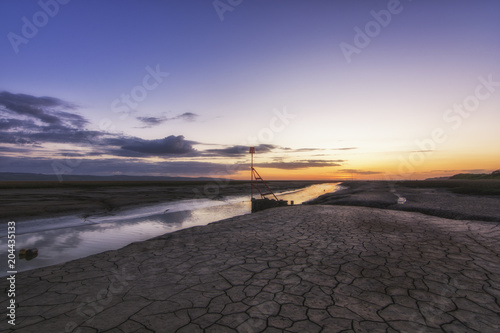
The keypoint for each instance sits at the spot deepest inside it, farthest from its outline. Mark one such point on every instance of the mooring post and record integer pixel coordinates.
(252, 151)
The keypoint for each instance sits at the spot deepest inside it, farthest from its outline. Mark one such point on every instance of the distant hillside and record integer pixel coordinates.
(493, 175)
(12, 176)
(438, 178)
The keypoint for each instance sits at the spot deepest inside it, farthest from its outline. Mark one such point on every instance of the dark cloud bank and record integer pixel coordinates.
(27, 123)
(28, 119)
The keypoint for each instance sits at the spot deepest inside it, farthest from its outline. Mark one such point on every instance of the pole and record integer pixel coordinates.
(252, 151)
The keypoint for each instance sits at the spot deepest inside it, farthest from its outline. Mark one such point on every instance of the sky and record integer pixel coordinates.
(348, 89)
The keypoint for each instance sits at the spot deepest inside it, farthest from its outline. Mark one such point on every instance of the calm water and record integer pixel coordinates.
(71, 237)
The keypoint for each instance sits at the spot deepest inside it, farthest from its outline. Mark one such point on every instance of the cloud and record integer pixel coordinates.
(155, 121)
(187, 116)
(29, 119)
(169, 145)
(12, 124)
(360, 172)
(302, 150)
(229, 151)
(127, 146)
(152, 121)
(34, 120)
(346, 148)
(301, 164)
(10, 149)
(240, 150)
(6, 137)
(110, 166)
(42, 120)
(476, 170)
(461, 171)
(82, 137)
(44, 109)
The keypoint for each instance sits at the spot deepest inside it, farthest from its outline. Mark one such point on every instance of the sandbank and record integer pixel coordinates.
(439, 202)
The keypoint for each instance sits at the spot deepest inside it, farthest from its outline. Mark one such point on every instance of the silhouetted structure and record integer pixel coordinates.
(263, 202)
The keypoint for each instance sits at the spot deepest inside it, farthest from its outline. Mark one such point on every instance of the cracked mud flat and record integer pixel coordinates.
(295, 269)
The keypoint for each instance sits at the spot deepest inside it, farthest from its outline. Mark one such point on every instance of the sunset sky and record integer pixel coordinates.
(323, 89)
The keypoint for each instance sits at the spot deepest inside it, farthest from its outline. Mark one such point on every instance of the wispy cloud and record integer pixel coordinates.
(300, 164)
(300, 150)
(151, 121)
(345, 148)
(455, 171)
(239, 150)
(187, 116)
(46, 110)
(360, 172)
(27, 119)
(312, 149)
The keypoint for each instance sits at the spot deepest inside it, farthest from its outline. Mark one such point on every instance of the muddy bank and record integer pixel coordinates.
(439, 202)
(91, 198)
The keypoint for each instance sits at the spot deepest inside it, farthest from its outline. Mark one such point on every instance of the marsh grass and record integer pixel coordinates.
(459, 186)
(98, 184)
(278, 184)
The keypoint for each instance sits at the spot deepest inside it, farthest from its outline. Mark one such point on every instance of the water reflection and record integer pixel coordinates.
(308, 193)
(64, 239)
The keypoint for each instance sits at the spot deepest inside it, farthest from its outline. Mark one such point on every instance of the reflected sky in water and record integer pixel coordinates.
(62, 239)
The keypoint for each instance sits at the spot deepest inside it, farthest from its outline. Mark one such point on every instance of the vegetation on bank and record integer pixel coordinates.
(97, 184)
(170, 183)
(478, 186)
(493, 175)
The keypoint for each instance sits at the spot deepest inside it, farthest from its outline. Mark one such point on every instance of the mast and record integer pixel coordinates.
(252, 151)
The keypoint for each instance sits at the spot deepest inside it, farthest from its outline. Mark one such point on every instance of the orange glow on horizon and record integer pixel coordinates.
(432, 168)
